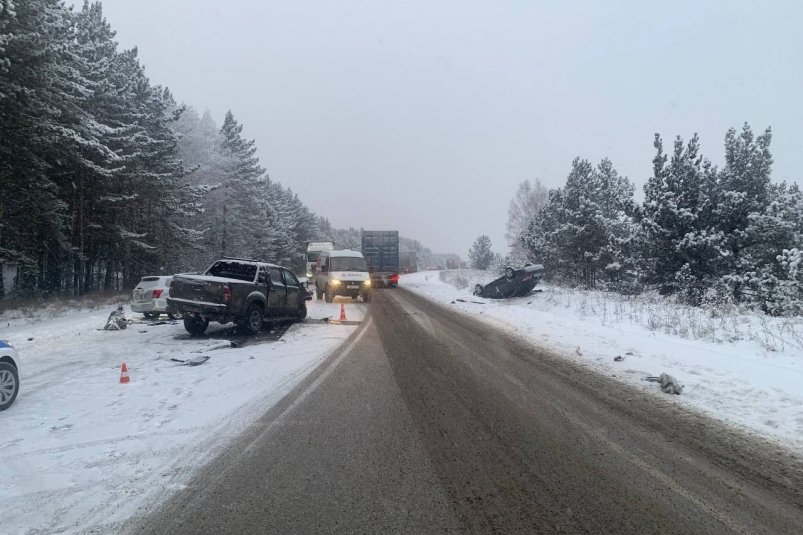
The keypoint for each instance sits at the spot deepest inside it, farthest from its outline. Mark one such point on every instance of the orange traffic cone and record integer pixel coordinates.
(342, 312)
(124, 379)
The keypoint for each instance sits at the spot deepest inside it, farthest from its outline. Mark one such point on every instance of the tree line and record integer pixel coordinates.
(702, 233)
(106, 178)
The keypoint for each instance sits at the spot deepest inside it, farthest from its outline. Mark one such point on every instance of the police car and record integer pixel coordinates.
(9, 374)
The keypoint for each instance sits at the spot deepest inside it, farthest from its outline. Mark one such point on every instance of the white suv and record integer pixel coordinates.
(149, 298)
(342, 273)
(9, 375)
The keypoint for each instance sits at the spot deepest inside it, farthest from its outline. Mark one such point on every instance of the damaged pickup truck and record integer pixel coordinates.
(246, 292)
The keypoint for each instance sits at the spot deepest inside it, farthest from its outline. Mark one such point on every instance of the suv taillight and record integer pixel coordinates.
(394, 278)
(157, 293)
(227, 294)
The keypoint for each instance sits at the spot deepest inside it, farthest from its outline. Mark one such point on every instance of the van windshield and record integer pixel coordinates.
(348, 263)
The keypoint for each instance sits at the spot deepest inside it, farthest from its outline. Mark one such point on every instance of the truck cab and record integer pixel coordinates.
(314, 249)
(342, 273)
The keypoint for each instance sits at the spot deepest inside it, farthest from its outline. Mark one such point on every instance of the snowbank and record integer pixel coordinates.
(746, 369)
(82, 452)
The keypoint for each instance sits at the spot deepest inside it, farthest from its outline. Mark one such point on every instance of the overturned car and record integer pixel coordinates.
(515, 283)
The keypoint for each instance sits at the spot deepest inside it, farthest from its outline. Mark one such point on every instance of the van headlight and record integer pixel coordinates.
(366, 283)
(334, 282)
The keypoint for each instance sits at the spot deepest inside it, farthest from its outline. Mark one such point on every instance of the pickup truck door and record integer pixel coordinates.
(294, 295)
(278, 293)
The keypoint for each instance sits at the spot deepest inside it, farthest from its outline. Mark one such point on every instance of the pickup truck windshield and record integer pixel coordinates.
(233, 270)
(348, 263)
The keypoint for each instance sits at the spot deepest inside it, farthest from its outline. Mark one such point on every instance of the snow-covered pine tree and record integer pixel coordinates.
(740, 216)
(581, 233)
(480, 255)
(243, 187)
(678, 249)
(51, 140)
(529, 199)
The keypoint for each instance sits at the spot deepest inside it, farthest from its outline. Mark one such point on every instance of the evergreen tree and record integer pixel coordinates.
(583, 231)
(480, 255)
(674, 219)
(529, 199)
(240, 221)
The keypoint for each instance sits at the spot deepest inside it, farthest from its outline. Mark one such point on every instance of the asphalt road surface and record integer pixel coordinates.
(430, 422)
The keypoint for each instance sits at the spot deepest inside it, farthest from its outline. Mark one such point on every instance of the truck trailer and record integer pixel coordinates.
(381, 251)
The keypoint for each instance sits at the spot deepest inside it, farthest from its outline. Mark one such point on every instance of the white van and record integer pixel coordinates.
(342, 273)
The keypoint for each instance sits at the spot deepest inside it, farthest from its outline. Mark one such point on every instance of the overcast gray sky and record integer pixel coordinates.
(424, 116)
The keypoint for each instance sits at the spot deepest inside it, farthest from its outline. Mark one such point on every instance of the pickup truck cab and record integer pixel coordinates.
(342, 273)
(242, 291)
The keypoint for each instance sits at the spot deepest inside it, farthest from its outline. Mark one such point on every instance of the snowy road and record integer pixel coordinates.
(433, 422)
(81, 452)
(746, 369)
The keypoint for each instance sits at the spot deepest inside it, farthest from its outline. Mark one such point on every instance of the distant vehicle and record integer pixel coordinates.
(9, 375)
(342, 273)
(240, 290)
(314, 249)
(381, 251)
(149, 298)
(408, 262)
(515, 283)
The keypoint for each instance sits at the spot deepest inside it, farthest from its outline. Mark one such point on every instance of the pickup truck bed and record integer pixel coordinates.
(247, 294)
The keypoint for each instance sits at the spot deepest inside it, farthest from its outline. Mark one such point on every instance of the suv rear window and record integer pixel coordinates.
(233, 270)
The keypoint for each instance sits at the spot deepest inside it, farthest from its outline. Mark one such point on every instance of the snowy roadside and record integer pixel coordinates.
(744, 369)
(82, 453)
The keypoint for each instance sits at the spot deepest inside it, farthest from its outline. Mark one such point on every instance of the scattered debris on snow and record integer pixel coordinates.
(195, 361)
(669, 385)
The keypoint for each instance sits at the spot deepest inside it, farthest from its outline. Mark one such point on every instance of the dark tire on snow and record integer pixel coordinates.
(149, 315)
(9, 385)
(478, 290)
(254, 318)
(509, 273)
(195, 325)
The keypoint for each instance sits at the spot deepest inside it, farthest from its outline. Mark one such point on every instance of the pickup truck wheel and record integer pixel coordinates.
(195, 325)
(509, 273)
(253, 319)
(329, 296)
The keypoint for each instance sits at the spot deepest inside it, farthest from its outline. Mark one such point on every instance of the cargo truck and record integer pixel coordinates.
(314, 249)
(381, 251)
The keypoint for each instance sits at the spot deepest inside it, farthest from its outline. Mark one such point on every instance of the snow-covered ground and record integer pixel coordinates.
(81, 452)
(743, 368)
